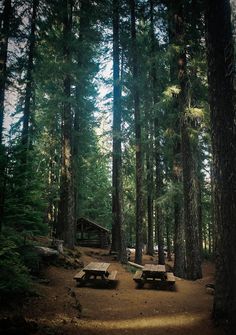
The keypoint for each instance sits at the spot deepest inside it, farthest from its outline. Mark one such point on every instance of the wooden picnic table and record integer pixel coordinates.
(154, 273)
(97, 269)
(95, 272)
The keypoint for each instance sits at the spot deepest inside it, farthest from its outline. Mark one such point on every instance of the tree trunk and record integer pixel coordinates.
(158, 184)
(205, 239)
(116, 154)
(150, 146)
(149, 166)
(158, 209)
(233, 20)
(27, 111)
(221, 78)
(66, 220)
(193, 257)
(138, 138)
(53, 181)
(4, 34)
(168, 242)
(213, 211)
(209, 239)
(118, 238)
(179, 233)
(84, 24)
(179, 249)
(199, 209)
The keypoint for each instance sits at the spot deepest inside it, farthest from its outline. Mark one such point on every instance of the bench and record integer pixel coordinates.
(170, 278)
(138, 276)
(169, 282)
(112, 275)
(79, 276)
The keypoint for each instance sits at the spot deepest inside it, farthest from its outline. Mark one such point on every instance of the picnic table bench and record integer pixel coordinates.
(155, 274)
(95, 272)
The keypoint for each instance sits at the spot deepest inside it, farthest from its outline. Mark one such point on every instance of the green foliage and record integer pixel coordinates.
(91, 175)
(14, 276)
(24, 204)
(30, 258)
(95, 188)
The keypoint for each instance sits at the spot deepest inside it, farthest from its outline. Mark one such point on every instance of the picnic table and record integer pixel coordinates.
(95, 272)
(155, 274)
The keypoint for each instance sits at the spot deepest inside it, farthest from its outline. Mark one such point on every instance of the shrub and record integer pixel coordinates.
(30, 258)
(14, 276)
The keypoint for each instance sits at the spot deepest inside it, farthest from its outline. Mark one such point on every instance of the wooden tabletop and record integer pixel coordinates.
(154, 268)
(97, 267)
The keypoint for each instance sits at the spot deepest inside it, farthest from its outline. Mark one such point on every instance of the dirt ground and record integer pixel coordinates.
(63, 308)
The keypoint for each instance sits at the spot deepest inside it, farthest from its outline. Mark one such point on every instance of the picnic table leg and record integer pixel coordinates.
(105, 275)
(82, 281)
(140, 284)
(164, 277)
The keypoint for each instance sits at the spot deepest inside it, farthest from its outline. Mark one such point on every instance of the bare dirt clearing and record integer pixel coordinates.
(63, 308)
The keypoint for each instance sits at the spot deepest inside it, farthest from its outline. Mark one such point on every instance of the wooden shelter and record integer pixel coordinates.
(91, 234)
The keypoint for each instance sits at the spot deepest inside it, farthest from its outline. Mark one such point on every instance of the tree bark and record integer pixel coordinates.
(168, 242)
(4, 35)
(179, 233)
(222, 97)
(138, 139)
(199, 209)
(27, 111)
(233, 20)
(213, 211)
(118, 238)
(157, 156)
(79, 124)
(66, 220)
(150, 181)
(193, 257)
(150, 154)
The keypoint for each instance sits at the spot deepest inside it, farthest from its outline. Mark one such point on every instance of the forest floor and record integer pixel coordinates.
(62, 308)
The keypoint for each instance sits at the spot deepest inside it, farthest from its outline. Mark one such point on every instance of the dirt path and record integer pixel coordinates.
(122, 309)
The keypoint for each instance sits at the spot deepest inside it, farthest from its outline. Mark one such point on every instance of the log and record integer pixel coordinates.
(135, 265)
(47, 252)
